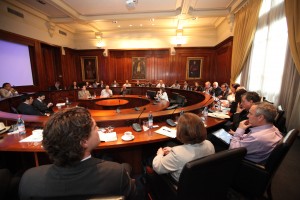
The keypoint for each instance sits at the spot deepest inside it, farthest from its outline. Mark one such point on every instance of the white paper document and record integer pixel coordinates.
(219, 115)
(33, 138)
(107, 137)
(167, 131)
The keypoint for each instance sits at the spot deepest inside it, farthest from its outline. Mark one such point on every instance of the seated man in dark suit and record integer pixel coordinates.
(56, 86)
(248, 99)
(26, 106)
(69, 137)
(216, 90)
(123, 90)
(40, 105)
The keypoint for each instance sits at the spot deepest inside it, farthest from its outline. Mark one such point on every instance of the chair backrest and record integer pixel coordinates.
(151, 94)
(181, 100)
(174, 95)
(280, 151)
(128, 91)
(211, 176)
(279, 121)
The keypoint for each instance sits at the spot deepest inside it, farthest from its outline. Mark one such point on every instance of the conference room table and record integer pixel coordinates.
(144, 143)
(125, 151)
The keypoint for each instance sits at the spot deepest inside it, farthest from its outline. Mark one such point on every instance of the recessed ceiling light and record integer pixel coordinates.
(152, 24)
(152, 20)
(141, 24)
(119, 26)
(130, 25)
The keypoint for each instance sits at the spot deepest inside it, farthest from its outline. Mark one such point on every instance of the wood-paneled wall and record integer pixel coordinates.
(51, 63)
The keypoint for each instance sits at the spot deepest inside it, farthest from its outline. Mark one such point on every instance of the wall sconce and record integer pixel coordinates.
(179, 32)
(99, 36)
(179, 37)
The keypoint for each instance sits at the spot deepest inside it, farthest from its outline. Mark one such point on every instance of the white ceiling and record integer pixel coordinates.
(112, 16)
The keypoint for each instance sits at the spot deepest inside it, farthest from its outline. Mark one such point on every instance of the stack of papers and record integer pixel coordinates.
(107, 137)
(60, 104)
(167, 131)
(33, 138)
(219, 115)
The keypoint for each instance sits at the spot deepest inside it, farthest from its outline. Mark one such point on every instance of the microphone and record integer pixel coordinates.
(170, 121)
(136, 126)
(118, 108)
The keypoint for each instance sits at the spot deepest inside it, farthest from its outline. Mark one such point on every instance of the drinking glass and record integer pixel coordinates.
(110, 129)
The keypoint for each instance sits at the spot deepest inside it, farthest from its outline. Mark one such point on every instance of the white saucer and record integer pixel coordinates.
(126, 138)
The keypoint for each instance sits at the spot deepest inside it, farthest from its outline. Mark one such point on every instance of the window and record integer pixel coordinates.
(268, 51)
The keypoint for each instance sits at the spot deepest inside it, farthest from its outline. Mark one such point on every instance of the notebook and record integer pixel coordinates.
(223, 135)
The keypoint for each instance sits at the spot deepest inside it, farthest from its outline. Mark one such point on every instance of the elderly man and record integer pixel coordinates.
(160, 84)
(69, 137)
(263, 135)
(216, 90)
(84, 93)
(207, 87)
(106, 92)
(7, 90)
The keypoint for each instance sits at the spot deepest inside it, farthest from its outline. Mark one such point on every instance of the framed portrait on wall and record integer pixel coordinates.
(138, 68)
(89, 68)
(194, 67)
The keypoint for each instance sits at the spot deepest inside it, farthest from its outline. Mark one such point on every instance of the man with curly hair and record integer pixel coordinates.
(69, 137)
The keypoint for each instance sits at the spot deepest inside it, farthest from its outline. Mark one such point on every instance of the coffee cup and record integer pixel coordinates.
(128, 134)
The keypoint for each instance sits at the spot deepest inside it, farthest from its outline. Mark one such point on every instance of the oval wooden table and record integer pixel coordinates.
(124, 151)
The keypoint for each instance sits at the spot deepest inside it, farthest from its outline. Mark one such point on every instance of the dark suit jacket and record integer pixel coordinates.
(237, 118)
(26, 109)
(41, 106)
(217, 91)
(53, 88)
(90, 177)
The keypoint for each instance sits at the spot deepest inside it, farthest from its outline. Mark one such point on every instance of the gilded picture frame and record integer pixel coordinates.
(194, 67)
(138, 68)
(89, 68)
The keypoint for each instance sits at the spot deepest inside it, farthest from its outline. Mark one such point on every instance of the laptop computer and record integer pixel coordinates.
(223, 135)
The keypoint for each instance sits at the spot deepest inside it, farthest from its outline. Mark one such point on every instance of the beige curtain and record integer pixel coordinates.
(292, 10)
(290, 93)
(245, 27)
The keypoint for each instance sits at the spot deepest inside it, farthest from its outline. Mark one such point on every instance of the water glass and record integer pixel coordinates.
(110, 129)
(145, 125)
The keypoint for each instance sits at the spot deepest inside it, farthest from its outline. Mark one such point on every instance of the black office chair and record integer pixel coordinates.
(265, 100)
(253, 180)
(205, 178)
(181, 100)
(5, 177)
(279, 121)
(173, 98)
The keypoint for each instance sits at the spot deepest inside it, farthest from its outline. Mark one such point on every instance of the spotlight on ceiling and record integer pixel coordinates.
(130, 4)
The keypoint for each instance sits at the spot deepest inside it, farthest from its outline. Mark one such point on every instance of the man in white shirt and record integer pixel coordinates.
(127, 84)
(176, 85)
(106, 92)
(160, 84)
